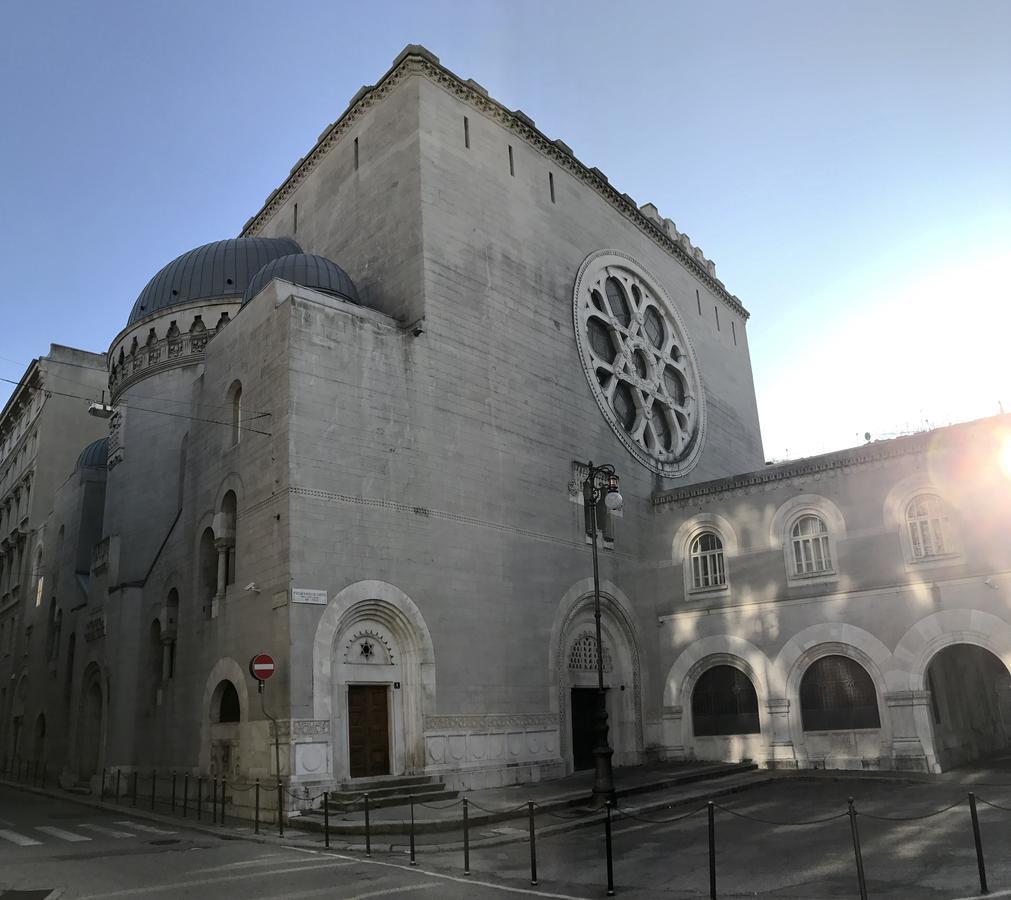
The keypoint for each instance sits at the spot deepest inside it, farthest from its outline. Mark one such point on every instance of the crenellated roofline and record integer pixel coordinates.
(416, 60)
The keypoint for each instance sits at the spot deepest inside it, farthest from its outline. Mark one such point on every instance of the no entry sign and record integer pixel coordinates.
(261, 666)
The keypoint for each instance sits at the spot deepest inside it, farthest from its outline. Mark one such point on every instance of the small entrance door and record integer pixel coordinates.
(584, 703)
(368, 730)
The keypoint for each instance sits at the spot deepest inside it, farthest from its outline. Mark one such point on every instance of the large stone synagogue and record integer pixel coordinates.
(354, 437)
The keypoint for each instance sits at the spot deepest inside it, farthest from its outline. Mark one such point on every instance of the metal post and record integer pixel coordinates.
(607, 843)
(280, 808)
(200, 797)
(414, 862)
(118, 773)
(101, 796)
(173, 792)
(861, 881)
(326, 820)
(466, 838)
(136, 775)
(712, 851)
(533, 843)
(368, 829)
(224, 784)
(983, 889)
(186, 791)
(256, 809)
(214, 801)
(35, 779)
(45, 765)
(154, 781)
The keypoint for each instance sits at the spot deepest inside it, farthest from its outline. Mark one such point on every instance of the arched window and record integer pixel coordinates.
(927, 520)
(228, 510)
(837, 694)
(811, 554)
(208, 571)
(68, 679)
(235, 399)
(154, 659)
(708, 567)
(724, 702)
(171, 630)
(228, 706)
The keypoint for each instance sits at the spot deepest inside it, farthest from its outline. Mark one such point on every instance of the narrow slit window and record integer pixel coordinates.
(466, 132)
(356, 154)
(551, 185)
(716, 310)
(733, 331)
(295, 227)
(698, 301)
(512, 167)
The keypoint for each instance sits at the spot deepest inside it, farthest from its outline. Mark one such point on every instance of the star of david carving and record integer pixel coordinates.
(367, 649)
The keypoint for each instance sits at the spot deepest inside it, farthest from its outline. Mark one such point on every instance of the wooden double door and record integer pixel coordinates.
(369, 729)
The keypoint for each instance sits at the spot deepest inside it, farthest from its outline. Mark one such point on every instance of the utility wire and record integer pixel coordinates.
(161, 412)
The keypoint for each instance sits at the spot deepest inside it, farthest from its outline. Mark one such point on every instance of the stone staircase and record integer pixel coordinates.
(389, 790)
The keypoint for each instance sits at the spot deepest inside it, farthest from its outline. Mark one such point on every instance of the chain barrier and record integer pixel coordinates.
(574, 818)
(512, 810)
(929, 815)
(448, 805)
(993, 805)
(628, 815)
(741, 815)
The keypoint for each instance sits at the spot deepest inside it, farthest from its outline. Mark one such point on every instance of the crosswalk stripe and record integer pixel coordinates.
(61, 834)
(111, 832)
(18, 839)
(150, 829)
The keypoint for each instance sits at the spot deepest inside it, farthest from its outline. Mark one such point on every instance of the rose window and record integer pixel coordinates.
(639, 362)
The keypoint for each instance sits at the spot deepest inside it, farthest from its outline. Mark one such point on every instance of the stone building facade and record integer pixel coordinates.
(354, 437)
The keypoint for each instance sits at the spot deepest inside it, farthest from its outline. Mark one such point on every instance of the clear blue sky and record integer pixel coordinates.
(846, 165)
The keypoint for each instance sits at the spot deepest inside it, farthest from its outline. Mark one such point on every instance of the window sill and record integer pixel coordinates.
(844, 731)
(940, 561)
(827, 577)
(709, 593)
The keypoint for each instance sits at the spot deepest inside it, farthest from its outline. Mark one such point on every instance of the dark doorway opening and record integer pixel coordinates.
(584, 738)
(368, 730)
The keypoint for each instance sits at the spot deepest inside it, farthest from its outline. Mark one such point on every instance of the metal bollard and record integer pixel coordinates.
(368, 829)
(861, 881)
(154, 781)
(44, 767)
(200, 797)
(256, 808)
(224, 784)
(214, 801)
(983, 889)
(118, 773)
(173, 792)
(186, 792)
(326, 820)
(466, 838)
(610, 857)
(136, 775)
(101, 796)
(533, 843)
(414, 862)
(280, 811)
(712, 850)
(35, 779)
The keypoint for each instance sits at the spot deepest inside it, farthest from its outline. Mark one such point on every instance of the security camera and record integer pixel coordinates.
(989, 583)
(252, 587)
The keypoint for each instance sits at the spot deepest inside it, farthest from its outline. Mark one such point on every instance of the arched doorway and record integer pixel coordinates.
(226, 714)
(91, 727)
(39, 746)
(970, 704)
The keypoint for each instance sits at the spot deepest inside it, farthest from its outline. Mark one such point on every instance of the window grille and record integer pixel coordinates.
(811, 553)
(724, 702)
(927, 519)
(837, 694)
(708, 568)
(583, 654)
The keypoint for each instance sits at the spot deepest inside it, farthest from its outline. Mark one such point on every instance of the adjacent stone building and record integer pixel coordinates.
(354, 437)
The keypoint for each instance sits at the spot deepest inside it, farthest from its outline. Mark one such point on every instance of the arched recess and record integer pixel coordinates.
(92, 722)
(400, 650)
(842, 749)
(17, 748)
(624, 683)
(686, 534)
(221, 742)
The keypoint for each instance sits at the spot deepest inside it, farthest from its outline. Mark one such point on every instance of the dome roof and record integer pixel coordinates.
(221, 269)
(95, 455)
(316, 272)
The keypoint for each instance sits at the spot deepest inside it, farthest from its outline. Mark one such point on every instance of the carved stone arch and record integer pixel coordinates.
(215, 738)
(797, 506)
(383, 610)
(751, 660)
(620, 635)
(231, 482)
(703, 522)
(90, 723)
(894, 515)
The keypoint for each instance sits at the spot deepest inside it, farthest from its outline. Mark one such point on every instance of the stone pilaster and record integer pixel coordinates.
(909, 714)
(782, 754)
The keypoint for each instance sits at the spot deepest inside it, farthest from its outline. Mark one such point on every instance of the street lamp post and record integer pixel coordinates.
(603, 777)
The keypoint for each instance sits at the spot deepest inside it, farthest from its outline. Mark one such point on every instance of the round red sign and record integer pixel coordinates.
(261, 666)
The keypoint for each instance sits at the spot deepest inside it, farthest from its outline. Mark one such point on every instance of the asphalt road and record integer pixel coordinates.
(912, 849)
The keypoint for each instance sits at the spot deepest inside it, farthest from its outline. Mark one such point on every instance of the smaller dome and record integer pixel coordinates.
(95, 455)
(307, 270)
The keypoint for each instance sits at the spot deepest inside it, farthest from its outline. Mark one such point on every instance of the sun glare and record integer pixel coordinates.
(1005, 457)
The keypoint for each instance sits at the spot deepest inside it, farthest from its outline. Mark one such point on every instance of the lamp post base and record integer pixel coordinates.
(603, 775)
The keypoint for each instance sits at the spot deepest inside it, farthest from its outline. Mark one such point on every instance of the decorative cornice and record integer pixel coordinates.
(418, 61)
(828, 462)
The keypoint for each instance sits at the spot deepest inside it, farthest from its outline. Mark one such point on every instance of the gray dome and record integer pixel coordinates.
(307, 270)
(221, 269)
(95, 455)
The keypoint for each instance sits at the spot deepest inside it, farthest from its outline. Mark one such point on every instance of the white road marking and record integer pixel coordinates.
(18, 839)
(177, 885)
(1004, 893)
(61, 834)
(150, 829)
(498, 887)
(109, 832)
(385, 892)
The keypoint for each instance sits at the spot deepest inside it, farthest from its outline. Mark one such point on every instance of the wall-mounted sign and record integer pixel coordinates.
(261, 666)
(304, 595)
